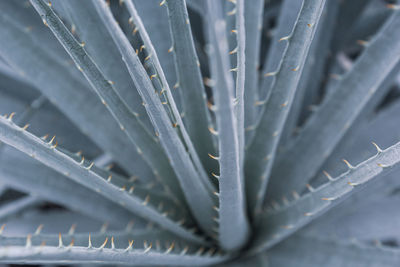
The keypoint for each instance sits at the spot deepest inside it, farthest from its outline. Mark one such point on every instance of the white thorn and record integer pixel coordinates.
(112, 243)
(328, 176)
(60, 242)
(89, 242)
(28, 241)
(129, 246)
(284, 38)
(38, 230)
(171, 247)
(185, 249)
(348, 164)
(147, 248)
(377, 148)
(104, 243)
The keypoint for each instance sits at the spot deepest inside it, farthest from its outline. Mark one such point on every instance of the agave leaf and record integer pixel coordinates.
(342, 66)
(10, 103)
(51, 185)
(253, 25)
(128, 121)
(126, 241)
(43, 118)
(177, 117)
(71, 254)
(381, 128)
(155, 21)
(261, 152)
(97, 40)
(378, 192)
(336, 114)
(141, 202)
(288, 14)
(198, 197)
(236, 38)
(275, 225)
(351, 33)
(310, 81)
(121, 181)
(305, 251)
(25, 17)
(240, 77)
(76, 101)
(81, 255)
(161, 239)
(197, 118)
(230, 15)
(27, 175)
(38, 221)
(233, 225)
(267, 134)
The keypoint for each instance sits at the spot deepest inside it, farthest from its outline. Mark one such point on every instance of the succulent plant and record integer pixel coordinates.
(212, 125)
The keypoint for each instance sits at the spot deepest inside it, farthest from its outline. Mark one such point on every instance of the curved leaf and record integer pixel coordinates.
(197, 119)
(133, 199)
(275, 225)
(335, 115)
(261, 152)
(198, 198)
(233, 225)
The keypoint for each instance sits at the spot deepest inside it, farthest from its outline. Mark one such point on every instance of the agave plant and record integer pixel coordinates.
(217, 127)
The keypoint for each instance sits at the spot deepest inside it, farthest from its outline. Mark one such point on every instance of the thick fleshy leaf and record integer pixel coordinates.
(102, 252)
(66, 88)
(336, 114)
(34, 178)
(380, 127)
(288, 14)
(253, 25)
(129, 122)
(261, 153)
(310, 82)
(155, 21)
(190, 82)
(97, 40)
(281, 221)
(198, 198)
(233, 224)
(141, 202)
